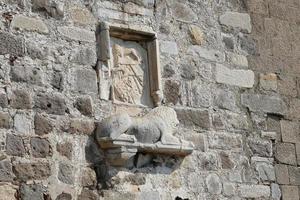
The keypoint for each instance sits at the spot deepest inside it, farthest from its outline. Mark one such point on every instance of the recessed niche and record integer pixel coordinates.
(129, 70)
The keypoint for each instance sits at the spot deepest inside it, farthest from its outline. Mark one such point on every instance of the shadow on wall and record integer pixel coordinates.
(139, 164)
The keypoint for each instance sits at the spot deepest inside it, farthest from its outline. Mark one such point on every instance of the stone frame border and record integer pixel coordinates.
(127, 33)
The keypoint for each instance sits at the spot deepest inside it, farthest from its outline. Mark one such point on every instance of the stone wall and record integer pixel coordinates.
(231, 78)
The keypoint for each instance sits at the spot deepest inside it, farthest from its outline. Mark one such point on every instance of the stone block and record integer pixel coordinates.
(259, 147)
(285, 153)
(225, 99)
(229, 189)
(6, 173)
(238, 60)
(5, 120)
(213, 184)
(198, 94)
(172, 91)
(58, 80)
(34, 191)
(264, 103)
(85, 105)
(27, 74)
(42, 125)
(207, 54)
(224, 141)
(14, 145)
(23, 123)
(236, 77)
(65, 149)
(85, 81)
(40, 148)
(199, 140)
(254, 191)
(66, 173)
(51, 103)
(196, 34)
(3, 99)
(64, 196)
(29, 24)
(271, 135)
(29, 171)
(294, 174)
(168, 47)
(294, 109)
(226, 162)
(266, 171)
(21, 99)
(82, 126)
(290, 192)
(10, 44)
(282, 174)
(276, 192)
(236, 20)
(85, 56)
(7, 192)
(74, 33)
(193, 118)
(290, 131)
(88, 178)
(183, 12)
(268, 81)
(81, 15)
(149, 195)
(134, 9)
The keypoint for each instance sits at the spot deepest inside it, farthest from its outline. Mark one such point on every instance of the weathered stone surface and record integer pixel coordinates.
(191, 117)
(208, 54)
(229, 189)
(27, 74)
(285, 153)
(287, 86)
(149, 195)
(82, 126)
(213, 184)
(266, 171)
(40, 148)
(66, 173)
(88, 195)
(183, 12)
(236, 20)
(172, 91)
(136, 179)
(81, 15)
(10, 44)
(225, 99)
(86, 81)
(237, 77)
(4, 120)
(271, 135)
(85, 56)
(168, 47)
(294, 174)
(248, 45)
(298, 153)
(42, 125)
(34, 191)
(3, 99)
(7, 192)
(23, 123)
(84, 105)
(51, 103)
(259, 147)
(64, 196)
(238, 60)
(229, 42)
(168, 71)
(65, 149)
(14, 145)
(29, 24)
(199, 140)
(294, 108)
(197, 35)
(276, 192)
(28, 171)
(290, 131)
(226, 162)
(268, 81)
(21, 99)
(224, 141)
(6, 174)
(290, 192)
(88, 178)
(254, 191)
(74, 33)
(264, 103)
(58, 80)
(282, 174)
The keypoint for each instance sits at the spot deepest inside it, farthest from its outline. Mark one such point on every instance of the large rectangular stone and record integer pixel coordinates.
(290, 192)
(254, 191)
(264, 103)
(225, 141)
(29, 24)
(294, 174)
(10, 44)
(236, 20)
(290, 131)
(285, 153)
(282, 174)
(236, 77)
(79, 34)
(168, 47)
(193, 118)
(208, 54)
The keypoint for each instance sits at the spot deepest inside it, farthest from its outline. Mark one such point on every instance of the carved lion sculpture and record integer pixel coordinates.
(157, 125)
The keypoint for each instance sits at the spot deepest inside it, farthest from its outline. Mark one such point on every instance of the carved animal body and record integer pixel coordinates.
(157, 125)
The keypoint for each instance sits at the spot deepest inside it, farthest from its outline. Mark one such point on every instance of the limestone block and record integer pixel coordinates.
(168, 47)
(254, 191)
(266, 171)
(10, 44)
(183, 12)
(236, 20)
(264, 103)
(213, 184)
(290, 131)
(268, 81)
(207, 54)
(27, 74)
(40, 148)
(237, 77)
(85, 56)
(85, 81)
(225, 99)
(74, 33)
(290, 192)
(81, 15)
(282, 174)
(229, 189)
(238, 60)
(285, 153)
(23, 123)
(294, 174)
(7, 192)
(224, 141)
(276, 192)
(29, 24)
(51, 103)
(14, 145)
(32, 170)
(21, 99)
(260, 147)
(34, 191)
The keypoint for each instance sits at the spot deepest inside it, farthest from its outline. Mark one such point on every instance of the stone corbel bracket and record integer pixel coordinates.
(128, 33)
